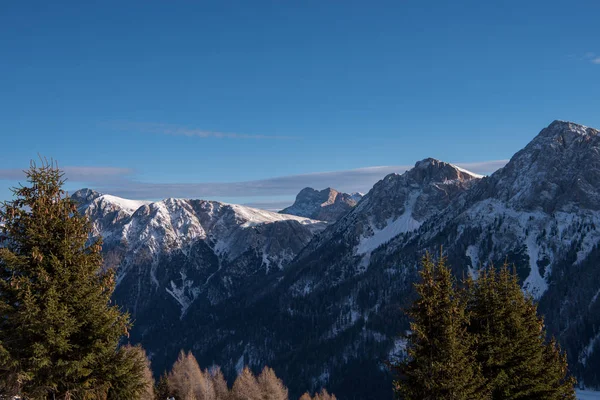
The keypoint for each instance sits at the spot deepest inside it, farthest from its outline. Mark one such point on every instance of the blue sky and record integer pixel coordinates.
(213, 99)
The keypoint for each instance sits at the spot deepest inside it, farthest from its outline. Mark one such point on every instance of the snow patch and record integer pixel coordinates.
(184, 295)
(129, 206)
(404, 223)
(535, 283)
(473, 253)
(589, 349)
(594, 298)
(467, 171)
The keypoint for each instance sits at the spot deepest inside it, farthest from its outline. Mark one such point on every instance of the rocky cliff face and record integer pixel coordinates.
(175, 255)
(323, 307)
(325, 205)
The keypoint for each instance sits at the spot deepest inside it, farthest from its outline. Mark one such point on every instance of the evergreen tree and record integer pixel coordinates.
(59, 333)
(441, 358)
(220, 384)
(133, 362)
(271, 386)
(324, 395)
(246, 386)
(162, 390)
(187, 381)
(517, 361)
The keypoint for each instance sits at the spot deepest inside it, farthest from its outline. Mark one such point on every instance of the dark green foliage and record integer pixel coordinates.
(516, 359)
(441, 357)
(162, 391)
(59, 333)
(499, 340)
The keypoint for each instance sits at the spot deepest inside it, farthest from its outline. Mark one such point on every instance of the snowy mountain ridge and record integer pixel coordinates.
(141, 237)
(325, 205)
(244, 285)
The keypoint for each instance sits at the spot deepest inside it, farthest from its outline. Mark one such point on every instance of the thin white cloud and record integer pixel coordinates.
(591, 57)
(483, 167)
(355, 180)
(77, 174)
(175, 130)
(263, 192)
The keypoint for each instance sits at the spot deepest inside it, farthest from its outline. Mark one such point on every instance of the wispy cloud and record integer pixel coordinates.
(483, 167)
(355, 180)
(102, 175)
(176, 130)
(592, 57)
(271, 193)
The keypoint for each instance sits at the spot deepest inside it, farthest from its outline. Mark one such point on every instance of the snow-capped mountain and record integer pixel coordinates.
(398, 204)
(324, 205)
(541, 212)
(346, 289)
(174, 253)
(322, 303)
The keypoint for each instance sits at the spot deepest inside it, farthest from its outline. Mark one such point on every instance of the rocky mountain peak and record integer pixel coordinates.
(85, 195)
(432, 170)
(558, 169)
(324, 205)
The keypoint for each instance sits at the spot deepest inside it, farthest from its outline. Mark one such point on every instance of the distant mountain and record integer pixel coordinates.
(322, 303)
(175, 255)
(324, 205)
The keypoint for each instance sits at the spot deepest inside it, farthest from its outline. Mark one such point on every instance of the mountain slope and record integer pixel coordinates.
(325, 205)
(341, 299)
(541, 212)
(175, 255)
(332, 315)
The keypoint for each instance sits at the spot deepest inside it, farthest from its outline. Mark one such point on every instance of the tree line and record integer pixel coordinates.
(481, 339)
(187, 381)
(61, 336)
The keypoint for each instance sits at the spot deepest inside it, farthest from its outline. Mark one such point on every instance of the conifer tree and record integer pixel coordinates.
(59, 332)
(219, 383)
(271, 386)
(441, 358)
(162, 390)
(246, 386)
(324, 395)
(133, 362)
(517, 361)
(187, 380)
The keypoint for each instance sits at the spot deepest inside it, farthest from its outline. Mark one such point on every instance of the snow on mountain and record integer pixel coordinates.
(246, 284)
(190, 248)
(397, 205)
(393, 227)
(541, 214)
(325, 205)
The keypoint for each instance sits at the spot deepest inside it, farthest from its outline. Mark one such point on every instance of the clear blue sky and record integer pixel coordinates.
(210, 92)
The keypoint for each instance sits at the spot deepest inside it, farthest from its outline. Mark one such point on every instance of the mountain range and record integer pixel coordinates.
(319, 295)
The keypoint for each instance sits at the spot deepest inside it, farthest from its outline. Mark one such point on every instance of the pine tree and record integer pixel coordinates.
(133, 362)
(517, 361)
(441, 359)
(162, 390)
(246, 386)
(271, 386)
(220, 384)
(187, 380)
(59, 332)
(324, 395)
